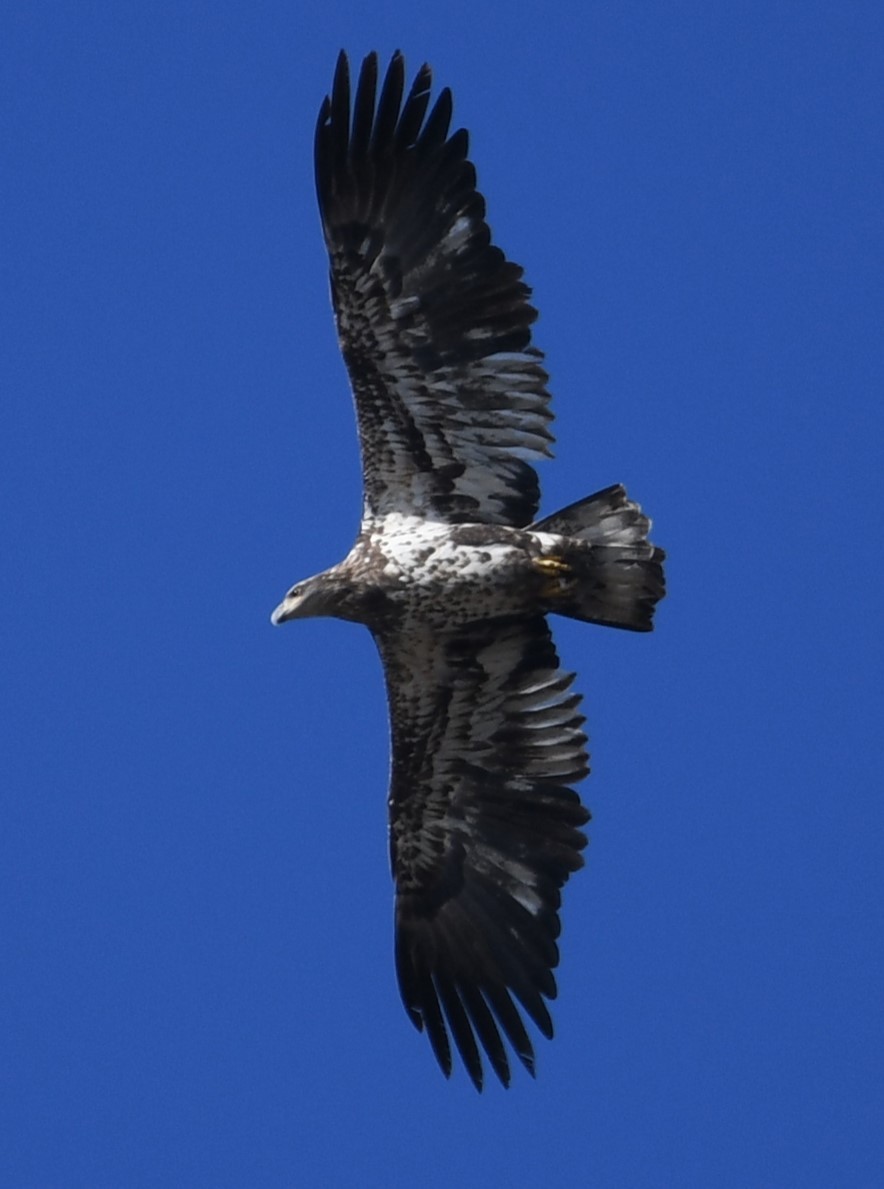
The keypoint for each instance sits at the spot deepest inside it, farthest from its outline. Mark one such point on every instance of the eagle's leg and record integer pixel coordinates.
(558, 577)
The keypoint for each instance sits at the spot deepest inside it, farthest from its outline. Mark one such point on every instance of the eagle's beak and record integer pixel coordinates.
(284, 611)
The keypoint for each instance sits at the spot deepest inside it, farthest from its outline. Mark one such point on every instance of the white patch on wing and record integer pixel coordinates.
(400, 307)
(528, 898)
(461, 229)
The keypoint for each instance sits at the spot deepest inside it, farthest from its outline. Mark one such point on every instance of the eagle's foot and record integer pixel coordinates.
(558, 577)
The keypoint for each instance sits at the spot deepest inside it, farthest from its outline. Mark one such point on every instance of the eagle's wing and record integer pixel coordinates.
(486, 737)
(434, 321)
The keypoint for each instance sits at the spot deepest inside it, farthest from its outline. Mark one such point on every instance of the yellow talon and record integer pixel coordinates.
(554, 567)
(557, 574)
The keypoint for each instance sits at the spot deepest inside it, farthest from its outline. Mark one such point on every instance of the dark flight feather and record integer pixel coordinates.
(434, 322)
(483, 828)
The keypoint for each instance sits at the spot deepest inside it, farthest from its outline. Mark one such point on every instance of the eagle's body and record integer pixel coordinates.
(407, 572)
(453, 574)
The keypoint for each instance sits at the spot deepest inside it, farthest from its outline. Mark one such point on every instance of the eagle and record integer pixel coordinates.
(452, 572)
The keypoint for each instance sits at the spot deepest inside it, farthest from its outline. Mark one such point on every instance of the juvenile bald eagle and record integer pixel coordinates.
(451, 572)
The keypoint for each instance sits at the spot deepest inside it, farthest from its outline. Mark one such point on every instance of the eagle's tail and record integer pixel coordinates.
(618, 580)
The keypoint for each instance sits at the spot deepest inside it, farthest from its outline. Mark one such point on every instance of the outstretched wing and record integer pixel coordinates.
(484, 831)
(434, 321)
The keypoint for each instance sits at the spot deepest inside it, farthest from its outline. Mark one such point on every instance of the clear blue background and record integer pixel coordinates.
(197, 982)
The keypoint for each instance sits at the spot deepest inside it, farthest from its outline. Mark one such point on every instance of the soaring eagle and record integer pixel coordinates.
(452, 573)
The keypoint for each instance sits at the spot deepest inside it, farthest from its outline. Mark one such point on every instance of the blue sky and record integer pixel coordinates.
(197, 983)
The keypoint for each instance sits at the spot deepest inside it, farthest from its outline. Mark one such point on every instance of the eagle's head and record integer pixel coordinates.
(333, 592)
(313, 596)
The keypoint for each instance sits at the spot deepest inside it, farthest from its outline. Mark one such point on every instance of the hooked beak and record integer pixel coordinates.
(287, 609)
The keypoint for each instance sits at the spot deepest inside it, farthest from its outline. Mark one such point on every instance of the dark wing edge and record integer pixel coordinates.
(484, 832)
(434, 321)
